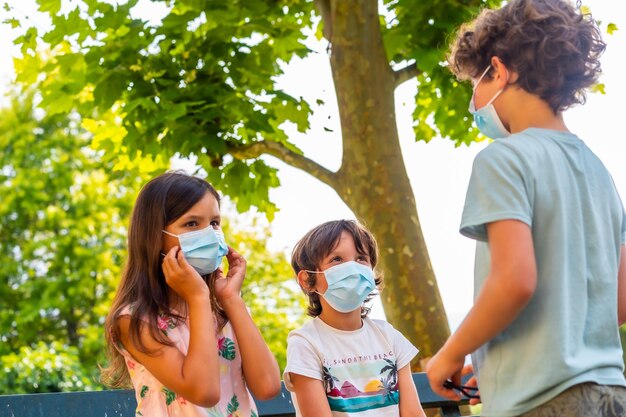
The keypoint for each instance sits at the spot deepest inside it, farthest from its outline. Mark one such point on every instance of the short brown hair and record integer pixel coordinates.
(320, 241)
(553, 47)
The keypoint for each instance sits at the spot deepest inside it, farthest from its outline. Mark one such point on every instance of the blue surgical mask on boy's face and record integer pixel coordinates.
(349, 284)
(203, 249)
(486, 118)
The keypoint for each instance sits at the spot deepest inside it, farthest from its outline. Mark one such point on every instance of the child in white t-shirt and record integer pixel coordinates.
(342, 363)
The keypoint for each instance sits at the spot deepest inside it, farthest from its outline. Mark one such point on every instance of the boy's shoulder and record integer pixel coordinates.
(529, 139)
(314, 327)
(307, 331)
(381, 324)
(524, 149)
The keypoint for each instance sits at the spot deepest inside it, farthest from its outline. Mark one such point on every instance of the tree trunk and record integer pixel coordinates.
(372, 179)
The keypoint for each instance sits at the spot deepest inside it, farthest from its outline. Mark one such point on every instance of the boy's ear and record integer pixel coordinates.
(302, 280)
(502, 74)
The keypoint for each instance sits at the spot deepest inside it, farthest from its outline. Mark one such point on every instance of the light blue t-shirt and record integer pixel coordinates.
(568, 333)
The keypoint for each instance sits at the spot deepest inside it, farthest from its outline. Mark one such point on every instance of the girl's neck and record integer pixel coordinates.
(342, 321)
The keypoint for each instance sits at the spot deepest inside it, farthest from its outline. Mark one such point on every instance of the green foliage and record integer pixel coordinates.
(611, 28)
(62, 244)
(200, 80)
(420, 32)
(62, 241)
(45, 367)
(270, 286)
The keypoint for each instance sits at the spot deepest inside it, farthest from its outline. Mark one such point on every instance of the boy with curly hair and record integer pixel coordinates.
(550, 272)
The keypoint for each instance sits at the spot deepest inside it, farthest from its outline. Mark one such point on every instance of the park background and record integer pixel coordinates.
(42, 356)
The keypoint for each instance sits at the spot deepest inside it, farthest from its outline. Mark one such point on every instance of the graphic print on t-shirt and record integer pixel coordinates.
(361, 383)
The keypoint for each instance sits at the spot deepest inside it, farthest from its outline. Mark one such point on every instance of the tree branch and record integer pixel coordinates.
(275, 149)
(406, 73)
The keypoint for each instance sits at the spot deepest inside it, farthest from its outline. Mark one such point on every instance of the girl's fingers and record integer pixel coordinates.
(181, 260)
(232, 255)
(168, 260)
(219, 273)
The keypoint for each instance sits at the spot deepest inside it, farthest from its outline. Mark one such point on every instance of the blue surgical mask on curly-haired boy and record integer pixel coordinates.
(349, 284)
(203, 249)
(486, 118)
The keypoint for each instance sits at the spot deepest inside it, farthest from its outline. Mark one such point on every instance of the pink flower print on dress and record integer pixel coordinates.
(226, 348)
(131, 364)
(165, 323)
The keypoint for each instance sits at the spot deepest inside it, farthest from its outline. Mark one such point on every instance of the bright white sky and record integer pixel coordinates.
(439, 172)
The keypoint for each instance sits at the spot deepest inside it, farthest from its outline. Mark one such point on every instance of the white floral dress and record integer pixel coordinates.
(155, 400)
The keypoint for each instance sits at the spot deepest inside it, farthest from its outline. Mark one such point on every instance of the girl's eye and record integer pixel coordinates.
(191, 223)
(215, 224)
(336, 259)
(362, 258)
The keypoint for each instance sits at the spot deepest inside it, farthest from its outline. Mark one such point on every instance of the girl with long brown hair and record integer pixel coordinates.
(178, 329)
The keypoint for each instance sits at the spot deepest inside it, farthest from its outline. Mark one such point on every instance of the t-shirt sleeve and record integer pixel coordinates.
(623, 226)
(497, 190)
(403, 349)
(302, 359)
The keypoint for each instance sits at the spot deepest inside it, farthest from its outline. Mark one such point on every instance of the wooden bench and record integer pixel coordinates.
(121, 403)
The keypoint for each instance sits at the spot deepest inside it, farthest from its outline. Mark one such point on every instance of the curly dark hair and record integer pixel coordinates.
(553, 47)
(319, 242)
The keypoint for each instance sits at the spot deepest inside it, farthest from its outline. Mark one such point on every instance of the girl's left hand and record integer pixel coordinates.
(229, 286)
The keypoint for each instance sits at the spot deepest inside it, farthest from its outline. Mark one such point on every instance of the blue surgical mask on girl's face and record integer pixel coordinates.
(486, 118)
(203, 249)
(349, 284)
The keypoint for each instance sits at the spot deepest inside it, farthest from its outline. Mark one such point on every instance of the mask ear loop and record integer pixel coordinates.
(306, 291)
(314, 272)
(472, 105)
(167, 233)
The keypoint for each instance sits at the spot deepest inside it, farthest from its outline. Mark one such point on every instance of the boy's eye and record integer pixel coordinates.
(215, 224)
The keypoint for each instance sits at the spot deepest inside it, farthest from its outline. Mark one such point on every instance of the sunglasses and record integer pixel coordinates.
(467, 391)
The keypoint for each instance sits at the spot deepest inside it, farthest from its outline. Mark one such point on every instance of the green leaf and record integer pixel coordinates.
(227, 349)
(170, 396)
(109, 89)
(598, 88)
(51, 6)
(13, 22)
(175, 112)
(233, 405)
(611, 28)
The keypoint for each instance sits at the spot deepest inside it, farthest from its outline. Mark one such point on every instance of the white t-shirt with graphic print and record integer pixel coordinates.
(359, 368)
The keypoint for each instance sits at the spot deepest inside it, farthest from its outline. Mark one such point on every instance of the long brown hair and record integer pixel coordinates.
(142, 287)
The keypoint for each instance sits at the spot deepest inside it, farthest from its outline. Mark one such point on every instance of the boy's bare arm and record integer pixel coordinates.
(312, 400)
(409, 400)
(508, 288)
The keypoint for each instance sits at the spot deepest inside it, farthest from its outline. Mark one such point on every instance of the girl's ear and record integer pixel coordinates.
(302, 278)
